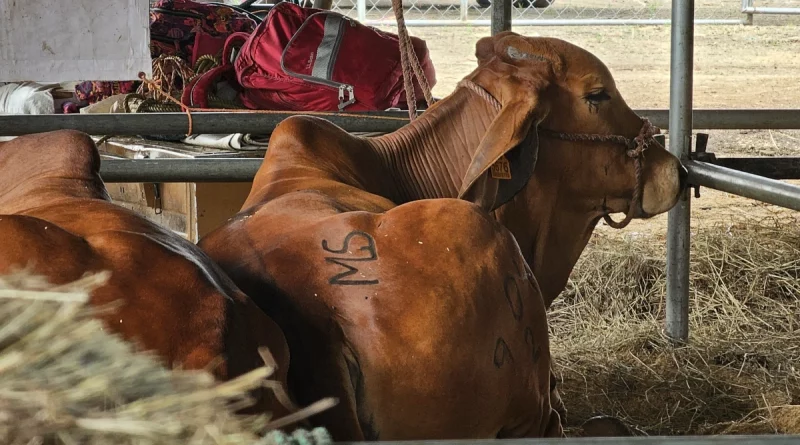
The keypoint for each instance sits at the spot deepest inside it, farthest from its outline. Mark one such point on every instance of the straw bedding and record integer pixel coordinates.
(64, 380)
(740, 371)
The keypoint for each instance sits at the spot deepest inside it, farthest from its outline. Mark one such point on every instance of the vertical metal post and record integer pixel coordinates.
(746, 4)
(361, 8)
(501, 16)
(323, 4)
(464, 10)
(680, 141)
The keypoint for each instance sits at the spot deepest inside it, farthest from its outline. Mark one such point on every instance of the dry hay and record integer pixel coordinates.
(737, 374)
(64, 380)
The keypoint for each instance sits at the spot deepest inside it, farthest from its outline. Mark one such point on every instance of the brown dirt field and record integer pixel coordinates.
(736, 66)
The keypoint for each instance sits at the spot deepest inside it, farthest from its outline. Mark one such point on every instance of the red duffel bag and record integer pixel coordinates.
(304, 59)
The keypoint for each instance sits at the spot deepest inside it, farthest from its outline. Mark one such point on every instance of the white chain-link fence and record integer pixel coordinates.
(771, 7)
(556, 12)
(543, 12)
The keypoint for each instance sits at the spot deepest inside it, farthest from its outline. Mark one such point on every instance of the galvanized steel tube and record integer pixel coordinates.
(179, 170)
(680, 141)
(122, 124)
(501, 16)
(766, 10)
(744, 184)
(242, 170)
(368, 122)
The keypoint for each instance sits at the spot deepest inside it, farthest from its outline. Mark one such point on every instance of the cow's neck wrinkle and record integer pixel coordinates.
(429, 157)
(551, 231)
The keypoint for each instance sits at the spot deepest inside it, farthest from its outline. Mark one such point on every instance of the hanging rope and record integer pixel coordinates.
(170, 75)
(410, 63)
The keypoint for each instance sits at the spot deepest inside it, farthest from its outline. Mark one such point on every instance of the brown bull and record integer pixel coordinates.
(422, 315)
(57, 220)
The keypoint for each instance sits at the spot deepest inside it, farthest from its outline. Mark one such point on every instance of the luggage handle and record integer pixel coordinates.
(227, 50)
(333, 31)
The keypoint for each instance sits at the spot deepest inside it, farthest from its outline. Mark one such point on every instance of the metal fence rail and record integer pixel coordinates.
(179, 170)
(123, 124)
(744, 184)
(371, 122)
(680, 145)
(749, 8)
(243, 170)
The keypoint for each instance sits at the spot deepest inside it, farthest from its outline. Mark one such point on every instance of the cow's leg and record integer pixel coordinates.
(535, 429)
(555, 398)
(319, 369)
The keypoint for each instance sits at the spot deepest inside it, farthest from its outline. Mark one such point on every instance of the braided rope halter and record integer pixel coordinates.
(635, 148)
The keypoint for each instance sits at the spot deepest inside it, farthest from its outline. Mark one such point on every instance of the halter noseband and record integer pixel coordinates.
(634, 147)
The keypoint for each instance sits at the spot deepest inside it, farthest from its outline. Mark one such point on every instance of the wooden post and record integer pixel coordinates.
(501, 16)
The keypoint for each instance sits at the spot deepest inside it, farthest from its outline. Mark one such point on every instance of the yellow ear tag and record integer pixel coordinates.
(501, 169)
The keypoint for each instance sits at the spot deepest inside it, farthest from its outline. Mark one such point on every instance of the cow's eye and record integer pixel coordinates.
(598, 96)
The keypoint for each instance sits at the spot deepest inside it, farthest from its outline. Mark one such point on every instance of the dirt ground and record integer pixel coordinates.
(736, 66)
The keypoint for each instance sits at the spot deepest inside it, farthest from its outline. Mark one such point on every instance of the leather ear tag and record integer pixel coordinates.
(501, 169)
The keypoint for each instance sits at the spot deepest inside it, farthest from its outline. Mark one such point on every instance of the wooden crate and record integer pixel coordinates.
(190, 209)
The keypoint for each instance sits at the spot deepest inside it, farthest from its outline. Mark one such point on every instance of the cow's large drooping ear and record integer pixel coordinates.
(504, 161)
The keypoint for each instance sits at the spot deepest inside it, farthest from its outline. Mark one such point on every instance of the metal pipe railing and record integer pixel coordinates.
(680, 144)
(777, 167)
(243, 170)
(744, 184)
(123, 124)
(368, 122)
(179, 170)
(768, 10)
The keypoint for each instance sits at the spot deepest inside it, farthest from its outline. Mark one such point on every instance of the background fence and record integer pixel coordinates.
(547, 12)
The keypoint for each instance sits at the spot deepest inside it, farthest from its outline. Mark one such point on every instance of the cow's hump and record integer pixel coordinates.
(46, 168)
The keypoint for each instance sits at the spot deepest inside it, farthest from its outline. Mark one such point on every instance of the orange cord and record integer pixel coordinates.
(189, 109)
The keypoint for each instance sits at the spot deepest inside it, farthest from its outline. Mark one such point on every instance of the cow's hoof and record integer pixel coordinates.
(605, 426)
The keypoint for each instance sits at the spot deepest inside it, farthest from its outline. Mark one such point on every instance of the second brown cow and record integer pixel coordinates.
(420, 310)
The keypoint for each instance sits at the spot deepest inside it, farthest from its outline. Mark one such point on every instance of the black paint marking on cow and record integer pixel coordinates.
(501, 351)
(370, 249)
(536, 351)
(513, 297)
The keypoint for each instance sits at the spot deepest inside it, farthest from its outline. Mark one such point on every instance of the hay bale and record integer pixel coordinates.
(740, 363)
(64, 380)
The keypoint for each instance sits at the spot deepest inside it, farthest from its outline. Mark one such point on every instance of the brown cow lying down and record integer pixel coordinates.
(422, 315)
(57, 220)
